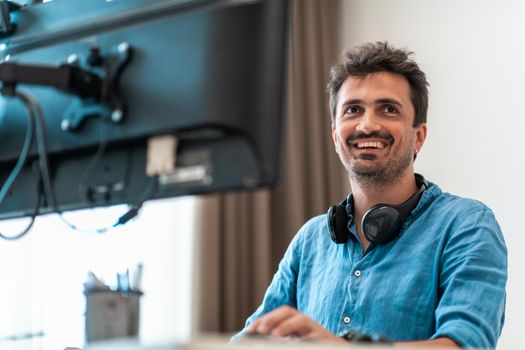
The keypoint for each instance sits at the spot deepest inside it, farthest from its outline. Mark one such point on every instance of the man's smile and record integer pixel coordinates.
(369, 144)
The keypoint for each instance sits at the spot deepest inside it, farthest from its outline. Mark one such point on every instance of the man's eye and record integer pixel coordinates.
(353, 110)
(390, 109)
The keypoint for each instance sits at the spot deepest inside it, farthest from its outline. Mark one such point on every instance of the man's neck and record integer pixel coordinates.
(366, 195)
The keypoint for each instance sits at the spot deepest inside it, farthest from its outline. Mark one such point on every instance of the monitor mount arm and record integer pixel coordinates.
(96, 85)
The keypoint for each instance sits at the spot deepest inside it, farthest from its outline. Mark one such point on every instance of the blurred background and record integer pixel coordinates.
(208, 259)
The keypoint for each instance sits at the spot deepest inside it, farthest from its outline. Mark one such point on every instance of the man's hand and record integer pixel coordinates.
(288, 322)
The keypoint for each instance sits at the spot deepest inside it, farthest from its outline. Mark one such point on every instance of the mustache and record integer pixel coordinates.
(374, 134)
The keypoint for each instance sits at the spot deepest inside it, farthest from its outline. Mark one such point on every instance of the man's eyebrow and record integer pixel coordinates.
(381, 101)
(385, 101)
(354, 101)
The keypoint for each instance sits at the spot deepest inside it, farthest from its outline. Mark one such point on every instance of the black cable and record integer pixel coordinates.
(44, 165)
(134, 209)
(32, 217)
(40, 131)
(40, 128)
(82, 190)
(95, 160)
(16, 170)
(36, 114)
(22, 157)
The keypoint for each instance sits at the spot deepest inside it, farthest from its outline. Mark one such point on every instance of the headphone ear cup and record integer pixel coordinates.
(337, 223)
(381, 224)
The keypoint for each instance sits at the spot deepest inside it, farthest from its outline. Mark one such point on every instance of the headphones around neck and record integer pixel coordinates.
(380, 224)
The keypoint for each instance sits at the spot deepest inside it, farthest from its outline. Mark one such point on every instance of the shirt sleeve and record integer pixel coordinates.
(472, 282)
(282, 289)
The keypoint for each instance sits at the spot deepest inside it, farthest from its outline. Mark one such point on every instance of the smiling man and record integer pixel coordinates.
(398, 259)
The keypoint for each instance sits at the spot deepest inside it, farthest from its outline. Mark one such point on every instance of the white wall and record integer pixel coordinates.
(473, 52)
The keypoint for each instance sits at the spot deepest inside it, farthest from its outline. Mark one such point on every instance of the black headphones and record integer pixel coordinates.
(380, 224)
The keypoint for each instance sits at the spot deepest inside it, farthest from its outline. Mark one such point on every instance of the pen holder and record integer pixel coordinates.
(111, 314)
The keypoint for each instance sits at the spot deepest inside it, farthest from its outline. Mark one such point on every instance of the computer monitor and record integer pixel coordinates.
(208, 75)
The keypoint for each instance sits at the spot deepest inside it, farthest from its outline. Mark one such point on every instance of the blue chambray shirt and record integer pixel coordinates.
(443, 276)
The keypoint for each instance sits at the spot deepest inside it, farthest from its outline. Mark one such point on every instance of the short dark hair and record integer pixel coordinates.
(381, 57)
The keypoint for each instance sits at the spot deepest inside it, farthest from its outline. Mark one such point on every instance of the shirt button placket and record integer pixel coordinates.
(353, 290)
(347, 319)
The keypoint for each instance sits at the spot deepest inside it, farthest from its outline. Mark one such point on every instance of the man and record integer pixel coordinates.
(439, 280)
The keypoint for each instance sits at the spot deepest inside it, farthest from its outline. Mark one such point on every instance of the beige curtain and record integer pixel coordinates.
(242, 236)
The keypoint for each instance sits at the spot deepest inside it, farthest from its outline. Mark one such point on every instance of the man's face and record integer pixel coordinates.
(372, 132)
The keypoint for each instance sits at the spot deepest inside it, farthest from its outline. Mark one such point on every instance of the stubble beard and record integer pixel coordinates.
(380, 174)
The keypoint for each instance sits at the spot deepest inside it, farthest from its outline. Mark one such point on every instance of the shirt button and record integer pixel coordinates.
(357, 273)
(346, 320)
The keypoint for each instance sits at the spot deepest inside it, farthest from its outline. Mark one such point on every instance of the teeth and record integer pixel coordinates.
(379, 145)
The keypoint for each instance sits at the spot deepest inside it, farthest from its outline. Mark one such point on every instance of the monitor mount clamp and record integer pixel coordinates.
(95, 83)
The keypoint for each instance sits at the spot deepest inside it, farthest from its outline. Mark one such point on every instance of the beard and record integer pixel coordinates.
(378, 173)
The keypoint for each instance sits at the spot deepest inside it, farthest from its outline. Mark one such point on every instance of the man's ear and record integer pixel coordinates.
(421, 135)
(334, 136)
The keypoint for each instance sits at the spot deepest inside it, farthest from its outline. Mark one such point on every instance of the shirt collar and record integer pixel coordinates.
(428, 196)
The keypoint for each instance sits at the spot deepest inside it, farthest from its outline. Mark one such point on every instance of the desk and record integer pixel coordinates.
(216, 342)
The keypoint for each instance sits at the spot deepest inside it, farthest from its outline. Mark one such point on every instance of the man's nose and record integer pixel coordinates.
(368, 122)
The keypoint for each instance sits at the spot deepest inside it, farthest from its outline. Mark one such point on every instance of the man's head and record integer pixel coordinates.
(378, 100)
(381, 57)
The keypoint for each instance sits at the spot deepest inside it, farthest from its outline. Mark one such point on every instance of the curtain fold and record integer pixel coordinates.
(241, 237)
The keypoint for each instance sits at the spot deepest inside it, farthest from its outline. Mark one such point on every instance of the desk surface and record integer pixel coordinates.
(215, 342)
